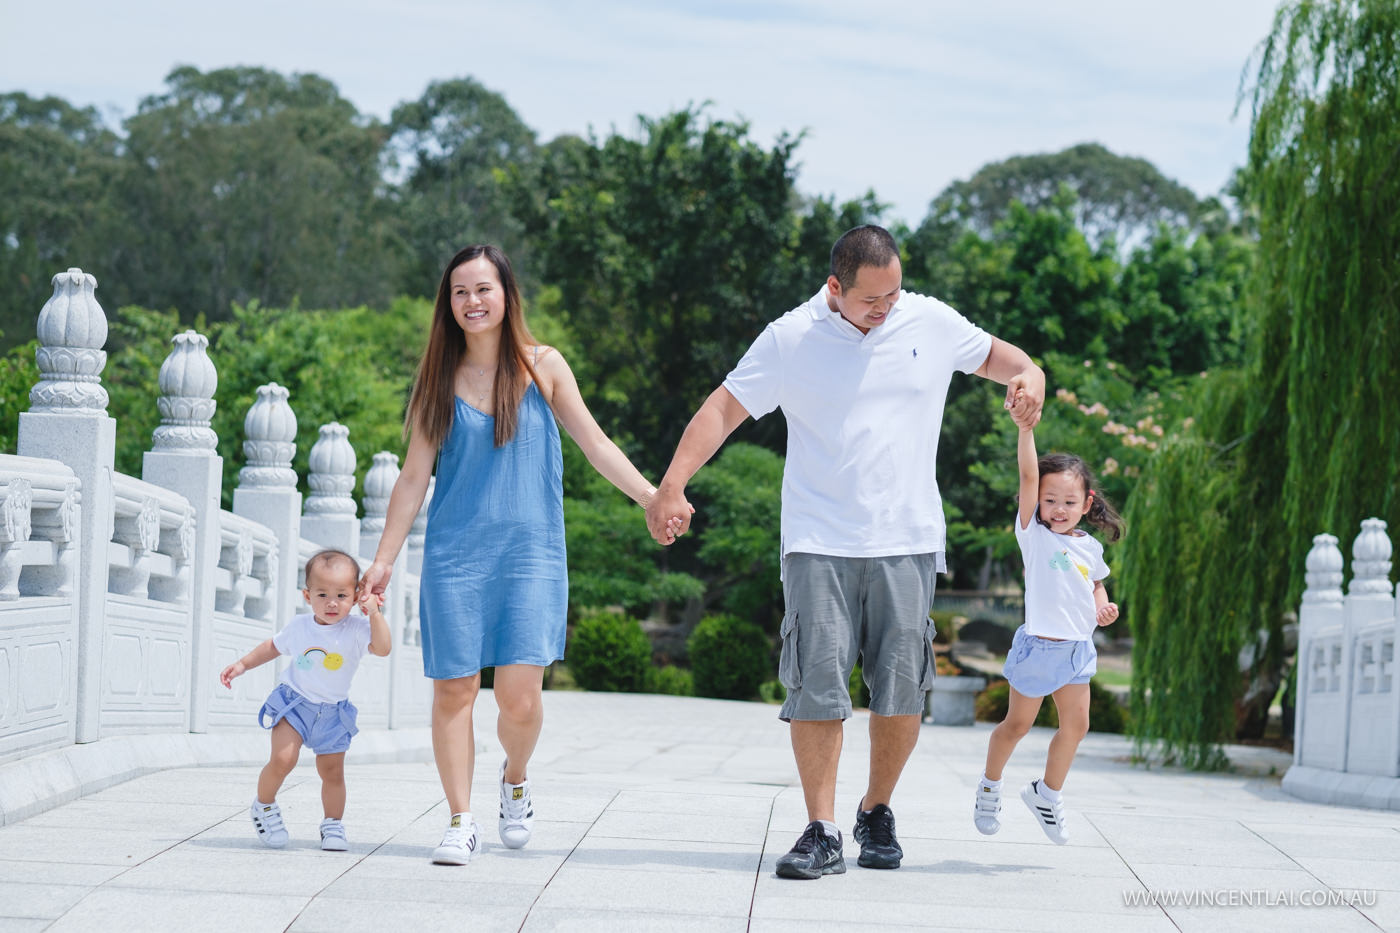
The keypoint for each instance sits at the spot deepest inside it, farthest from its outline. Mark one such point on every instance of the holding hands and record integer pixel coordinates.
(668, 515)
(1025, 395)
(370, 602)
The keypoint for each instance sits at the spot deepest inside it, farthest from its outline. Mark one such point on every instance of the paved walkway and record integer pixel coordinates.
(662, 813)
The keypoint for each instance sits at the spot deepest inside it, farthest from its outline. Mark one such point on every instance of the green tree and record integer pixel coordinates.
(1117, 198)
(243, 185)
(57, 163)
(1288, 446)
(455, 142)
(671, 252)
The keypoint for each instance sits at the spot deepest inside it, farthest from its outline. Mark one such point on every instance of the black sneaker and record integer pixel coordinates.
(875, 833)
(815, 854)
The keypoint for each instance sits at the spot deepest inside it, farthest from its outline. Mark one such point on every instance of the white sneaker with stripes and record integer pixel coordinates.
(1051, 815)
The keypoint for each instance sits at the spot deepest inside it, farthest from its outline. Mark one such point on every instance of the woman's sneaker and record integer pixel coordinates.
(1051, 815)
(986, 809)
(814, 855)
(267, 820)
(517, 813)
(459, 843)
(333, 835)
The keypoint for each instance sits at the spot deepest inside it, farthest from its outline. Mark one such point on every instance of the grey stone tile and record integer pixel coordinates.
(1169, 839)
(364, 883)
(1380, 874)
(665, 855)
(57, 872)
(95, 846)
(133, 910)
(299, 871)
(719, 828)
(352, 916)
(22, 925)
(715, 893)
(37, 900)
(577, 920)
(1012, 917)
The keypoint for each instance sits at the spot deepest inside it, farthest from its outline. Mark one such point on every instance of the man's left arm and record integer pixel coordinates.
(1024, 381)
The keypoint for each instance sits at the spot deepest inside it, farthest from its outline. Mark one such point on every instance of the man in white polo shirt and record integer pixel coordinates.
(861, 372)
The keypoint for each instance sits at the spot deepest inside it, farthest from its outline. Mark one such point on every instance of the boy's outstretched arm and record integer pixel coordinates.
(260, 655)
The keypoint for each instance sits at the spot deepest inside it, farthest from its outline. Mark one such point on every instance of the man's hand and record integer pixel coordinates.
(668, 515)
(1025, 396)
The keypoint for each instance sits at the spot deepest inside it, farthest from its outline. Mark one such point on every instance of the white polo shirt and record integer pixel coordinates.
(863, 415)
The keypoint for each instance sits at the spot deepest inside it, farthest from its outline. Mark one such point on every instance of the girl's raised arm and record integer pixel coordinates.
(1027, 463)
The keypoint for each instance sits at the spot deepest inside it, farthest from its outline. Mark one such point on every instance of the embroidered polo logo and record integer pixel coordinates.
(916, 351)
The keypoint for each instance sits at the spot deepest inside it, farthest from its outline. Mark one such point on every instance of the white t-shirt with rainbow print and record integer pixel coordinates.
(324, 657)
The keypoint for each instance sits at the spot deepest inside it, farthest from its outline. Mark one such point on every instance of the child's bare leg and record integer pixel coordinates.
(1020, 716)
(1072, 703)
(331, 768)
(286, 747)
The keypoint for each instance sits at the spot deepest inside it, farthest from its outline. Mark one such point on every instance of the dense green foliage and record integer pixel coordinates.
(609, 651)
(1300, 441)
(729, 657)
(671, 680)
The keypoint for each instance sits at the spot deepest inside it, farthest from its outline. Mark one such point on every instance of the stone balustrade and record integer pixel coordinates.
(122, 598)
(1347, 726)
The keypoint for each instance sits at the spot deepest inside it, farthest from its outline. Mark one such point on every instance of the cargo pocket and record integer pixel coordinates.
(930, 662)
(789, 663)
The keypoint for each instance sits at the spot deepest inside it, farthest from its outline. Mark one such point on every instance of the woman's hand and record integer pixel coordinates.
(376, 579)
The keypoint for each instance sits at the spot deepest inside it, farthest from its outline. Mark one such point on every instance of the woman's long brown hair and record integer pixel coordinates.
(431, 406)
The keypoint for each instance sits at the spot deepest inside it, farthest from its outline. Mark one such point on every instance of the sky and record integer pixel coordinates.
(899, 96)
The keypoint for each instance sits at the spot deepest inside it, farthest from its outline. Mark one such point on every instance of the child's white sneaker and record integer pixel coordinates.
(333, 835)
(1051, 815)
(459, 843)
(517, 813)
(267, 820)
(986, 807)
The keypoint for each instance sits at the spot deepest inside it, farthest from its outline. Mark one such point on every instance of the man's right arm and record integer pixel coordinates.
(714, 422)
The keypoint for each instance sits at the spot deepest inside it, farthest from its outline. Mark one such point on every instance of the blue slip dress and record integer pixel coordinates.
(495, 584)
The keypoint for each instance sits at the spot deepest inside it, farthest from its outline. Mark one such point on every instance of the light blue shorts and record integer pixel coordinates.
(325, 728)
(1037, 667)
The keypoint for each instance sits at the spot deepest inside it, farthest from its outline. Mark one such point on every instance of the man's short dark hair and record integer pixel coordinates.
(867, 245)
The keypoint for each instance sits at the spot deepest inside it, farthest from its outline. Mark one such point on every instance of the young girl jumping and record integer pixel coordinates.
(1053, 650)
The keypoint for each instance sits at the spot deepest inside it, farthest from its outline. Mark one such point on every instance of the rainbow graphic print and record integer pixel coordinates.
(331, 661)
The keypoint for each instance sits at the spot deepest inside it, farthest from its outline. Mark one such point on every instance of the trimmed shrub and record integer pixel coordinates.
(729, 658)
(1105, 712)
(672, 681)
(990, 706)
(943, 625)
(860, 693)
(609, 652)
